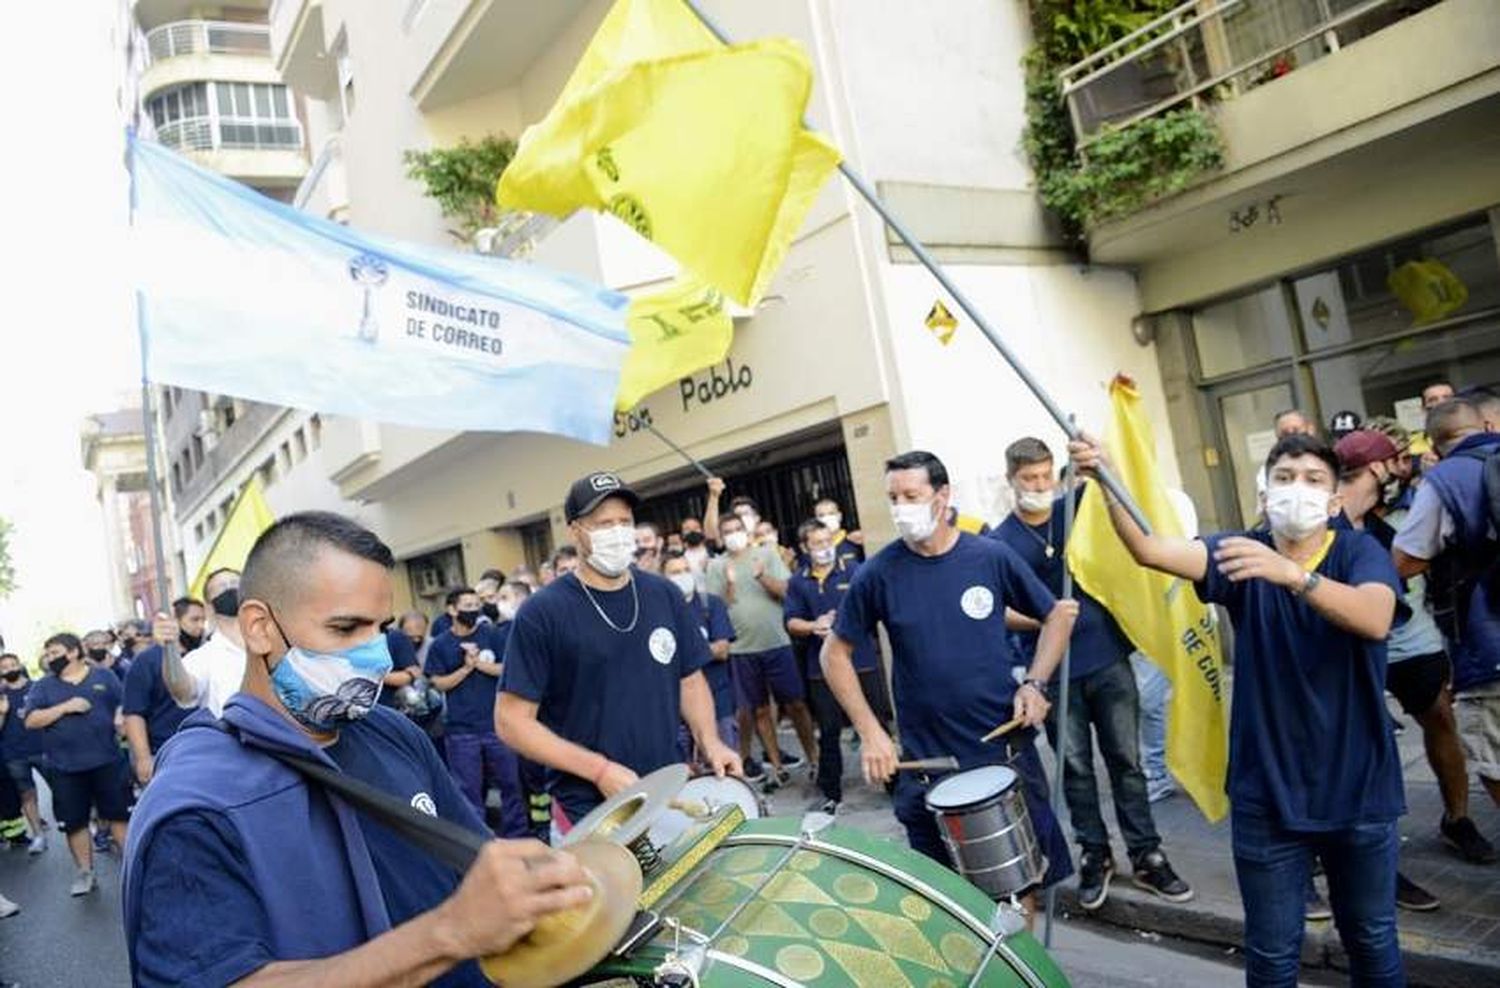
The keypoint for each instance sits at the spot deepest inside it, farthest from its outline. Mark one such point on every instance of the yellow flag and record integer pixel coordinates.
(697, 145)
(1161, 614)
(248, 517)
(673, 333)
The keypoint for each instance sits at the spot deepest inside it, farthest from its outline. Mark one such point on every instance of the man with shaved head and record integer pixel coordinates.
(241, 870)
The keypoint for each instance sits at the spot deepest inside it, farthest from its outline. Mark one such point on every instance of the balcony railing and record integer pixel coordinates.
(214, 133)
(206, 37)
(1206, 51)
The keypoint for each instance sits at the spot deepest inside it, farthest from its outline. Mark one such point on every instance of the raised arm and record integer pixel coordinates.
(1185, 558)
(711, 512)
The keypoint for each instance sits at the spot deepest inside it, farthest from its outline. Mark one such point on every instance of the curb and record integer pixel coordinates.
(1429, 963)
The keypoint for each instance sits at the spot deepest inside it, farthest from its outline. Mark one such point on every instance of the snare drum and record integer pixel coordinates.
(849, 909)
(982, 818)
(711, 794)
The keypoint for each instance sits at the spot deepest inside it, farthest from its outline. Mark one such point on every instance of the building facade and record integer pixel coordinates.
(832, 374)
(114, 451)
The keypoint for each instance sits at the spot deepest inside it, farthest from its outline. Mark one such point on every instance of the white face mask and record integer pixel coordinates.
(612, 549)
(507, 609)
(684, 583)
(833, 522)
(736, 541)
(1296, 511)
(1033, 502)
(916, 522)
(823, 557)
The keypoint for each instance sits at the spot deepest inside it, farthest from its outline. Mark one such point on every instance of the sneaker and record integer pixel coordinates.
(7, 908)
(1465, 838)
(754, 772)
(1410, 895)
(1095, 869)
(792, 762)
(1159, 789)
(1316, 907)
(83, 883)
(775, 779)
(37, 844)
(829, 806)
(102, 842)
(1154, 874)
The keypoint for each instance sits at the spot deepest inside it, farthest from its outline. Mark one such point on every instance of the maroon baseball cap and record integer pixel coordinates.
(1362, 447)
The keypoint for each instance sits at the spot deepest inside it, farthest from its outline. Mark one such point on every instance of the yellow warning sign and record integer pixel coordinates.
(941, 322)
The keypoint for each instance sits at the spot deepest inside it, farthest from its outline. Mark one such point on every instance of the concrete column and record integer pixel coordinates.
(869, 440)
(491, 548)
(1190, 418)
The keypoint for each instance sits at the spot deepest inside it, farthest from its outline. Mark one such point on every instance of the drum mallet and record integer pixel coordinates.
(947, 763)
(1004, 728)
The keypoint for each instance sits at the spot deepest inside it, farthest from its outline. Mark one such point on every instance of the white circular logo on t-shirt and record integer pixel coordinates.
(423, 802)
(663, 645)
(977, 602)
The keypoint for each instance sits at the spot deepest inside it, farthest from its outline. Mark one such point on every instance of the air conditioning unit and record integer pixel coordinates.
(426, 580)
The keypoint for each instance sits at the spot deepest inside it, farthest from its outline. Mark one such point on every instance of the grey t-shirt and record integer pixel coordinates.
(1427, 528)
(755, 614)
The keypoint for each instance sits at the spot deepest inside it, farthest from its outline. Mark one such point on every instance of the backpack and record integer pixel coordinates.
(1474, 558)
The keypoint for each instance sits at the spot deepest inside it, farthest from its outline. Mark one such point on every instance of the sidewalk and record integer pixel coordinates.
(1458, 945)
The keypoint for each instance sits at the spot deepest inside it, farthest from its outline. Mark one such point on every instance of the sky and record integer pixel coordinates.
(67, 347)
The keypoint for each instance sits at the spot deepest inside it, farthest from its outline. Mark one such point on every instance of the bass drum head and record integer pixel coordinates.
(967, 788)
(713, 794)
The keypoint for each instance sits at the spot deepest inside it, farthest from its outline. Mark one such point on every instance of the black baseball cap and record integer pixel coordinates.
(589, 492)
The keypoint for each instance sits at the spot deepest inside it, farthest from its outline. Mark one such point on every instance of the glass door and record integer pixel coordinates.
(1245, 413)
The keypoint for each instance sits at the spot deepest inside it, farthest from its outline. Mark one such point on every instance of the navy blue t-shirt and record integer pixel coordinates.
(808, 598)
(403, 656)
(195, 875)
(1097, 641)
(1309, 740)
(952, 662)
(441, 625)
(146, 695)
(716, 628)
(16, 740)
(617, 693)
(470, 706)
(79, 742)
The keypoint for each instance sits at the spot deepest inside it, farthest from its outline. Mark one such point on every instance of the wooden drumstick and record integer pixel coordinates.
(1004, 728)
(947, 763)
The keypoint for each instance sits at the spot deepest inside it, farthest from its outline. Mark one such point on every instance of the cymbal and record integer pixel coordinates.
(629, 813)
(565, 944)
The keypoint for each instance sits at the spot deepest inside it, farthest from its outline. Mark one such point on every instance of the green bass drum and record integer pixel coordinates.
(846, 909)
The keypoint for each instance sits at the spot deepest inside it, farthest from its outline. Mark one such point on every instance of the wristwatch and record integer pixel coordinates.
(1040, 685)
(1308, 584)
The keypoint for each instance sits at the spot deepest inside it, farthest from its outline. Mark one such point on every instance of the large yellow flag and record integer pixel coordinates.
(673, 333)
(697, 145)
(249, 516)
(1161, 614)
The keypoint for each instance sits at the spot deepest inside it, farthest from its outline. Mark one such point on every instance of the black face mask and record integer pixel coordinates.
(692, 539)
(189, 642)
(12, 676)
(227, 603)
(98, 654)
(57, 665)
(491, 611)
(415, 642)
(469, 619)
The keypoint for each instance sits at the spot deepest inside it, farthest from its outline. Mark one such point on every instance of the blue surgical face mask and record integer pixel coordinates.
(324, 689)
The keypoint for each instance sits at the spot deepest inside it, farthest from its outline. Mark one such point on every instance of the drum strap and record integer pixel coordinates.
(454, 846)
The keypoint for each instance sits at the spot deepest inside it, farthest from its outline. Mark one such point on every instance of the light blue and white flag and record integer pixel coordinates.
(244, 296)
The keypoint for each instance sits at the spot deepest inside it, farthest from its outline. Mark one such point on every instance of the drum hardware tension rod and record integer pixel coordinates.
(678, 969)
(812, 824)
(998, 929)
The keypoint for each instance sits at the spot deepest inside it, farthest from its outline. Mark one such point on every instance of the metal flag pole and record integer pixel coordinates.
(707, 475)
(1063, 687)
(1106, 477)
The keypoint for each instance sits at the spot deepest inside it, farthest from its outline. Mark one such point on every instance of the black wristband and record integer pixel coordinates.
(1040, 685)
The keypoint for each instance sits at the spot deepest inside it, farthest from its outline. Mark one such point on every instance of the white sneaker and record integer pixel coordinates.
(7, 908)
(83, 883)
(38, 844)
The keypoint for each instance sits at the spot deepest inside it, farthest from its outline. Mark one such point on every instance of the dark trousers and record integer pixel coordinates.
(479, 761)
(831, 723)
(1105, 704)
(1274, 867)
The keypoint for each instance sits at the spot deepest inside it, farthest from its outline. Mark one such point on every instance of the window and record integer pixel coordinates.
(315, 431)
(198, 531)
(177, 478)
(284, 458)
(267, 472)
(255, 115)
(225, 506)
(300, 445)
(197, 451)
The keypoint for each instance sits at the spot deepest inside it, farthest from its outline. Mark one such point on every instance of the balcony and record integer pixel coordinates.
(188, 51)
(1335, 115)
(298, 47)
(465, 48)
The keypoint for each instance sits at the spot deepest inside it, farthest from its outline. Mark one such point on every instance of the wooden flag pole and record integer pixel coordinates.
(1106, 477)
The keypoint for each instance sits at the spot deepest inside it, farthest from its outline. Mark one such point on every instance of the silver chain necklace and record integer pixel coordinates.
(635, 597)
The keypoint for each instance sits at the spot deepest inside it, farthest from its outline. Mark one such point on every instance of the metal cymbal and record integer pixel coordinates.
(564, 945)
(627, 815)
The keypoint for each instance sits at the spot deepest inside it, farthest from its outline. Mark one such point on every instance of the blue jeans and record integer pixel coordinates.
(479, 761)
(1274, 865)
(1154, 688)
(1107, 702)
